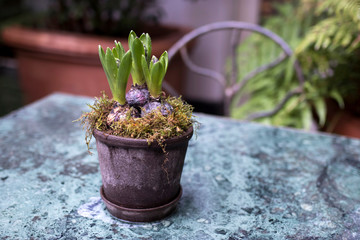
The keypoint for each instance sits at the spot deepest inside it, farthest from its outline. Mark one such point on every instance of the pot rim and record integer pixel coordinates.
(113, 140)
(71, 44)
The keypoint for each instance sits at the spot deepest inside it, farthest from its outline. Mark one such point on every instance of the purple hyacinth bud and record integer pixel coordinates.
(137, 97)
(120, 113)
(145, 50)
(165, 108)
(117, 62)
(154, 59)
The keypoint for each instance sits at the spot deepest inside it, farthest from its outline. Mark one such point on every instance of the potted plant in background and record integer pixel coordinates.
(269, 87)
(332, 47)
(325, 37)
(141, 136)
(56, 51)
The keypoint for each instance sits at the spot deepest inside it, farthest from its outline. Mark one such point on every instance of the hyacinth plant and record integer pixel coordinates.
(144, 111)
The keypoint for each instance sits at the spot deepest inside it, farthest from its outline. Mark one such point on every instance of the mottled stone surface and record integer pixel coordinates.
(240, 181)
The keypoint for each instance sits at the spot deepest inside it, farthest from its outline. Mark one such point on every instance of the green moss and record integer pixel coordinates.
(153, 127)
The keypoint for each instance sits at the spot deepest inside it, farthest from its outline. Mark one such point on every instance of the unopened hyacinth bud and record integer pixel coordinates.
(120, 112)
(146, 52)
(137, 97)
(165, 108)
(154, 59)
(115, 113)
(117, 62)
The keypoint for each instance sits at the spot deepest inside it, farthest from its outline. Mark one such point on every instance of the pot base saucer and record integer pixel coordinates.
(140, 214)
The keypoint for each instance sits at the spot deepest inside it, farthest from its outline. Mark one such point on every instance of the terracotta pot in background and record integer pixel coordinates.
(66, 62)
(344, 122)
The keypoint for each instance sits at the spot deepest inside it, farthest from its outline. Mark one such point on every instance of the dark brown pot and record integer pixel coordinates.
(53, 61)
(140, 181)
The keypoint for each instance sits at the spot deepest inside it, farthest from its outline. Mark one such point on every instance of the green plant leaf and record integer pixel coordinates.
(289, 71)
(337, 96)
(101, 54)
(145, 69)
(146, 40)
(119, 50)
(110, 63)
(152, 61)
(320, 109)
(164, 58)
(103, 63)
(132, 36)
(156, 74)
(137, 50)
(306, 118)
(122, 77)
(115, 54)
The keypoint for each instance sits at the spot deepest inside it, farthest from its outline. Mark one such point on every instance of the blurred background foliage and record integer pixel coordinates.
(323, 33)
(110, 17)
(325, 37)
(96, 17)
(100, 17)
(12, 11)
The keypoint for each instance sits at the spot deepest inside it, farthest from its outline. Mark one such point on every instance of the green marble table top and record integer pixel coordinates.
(240, 181)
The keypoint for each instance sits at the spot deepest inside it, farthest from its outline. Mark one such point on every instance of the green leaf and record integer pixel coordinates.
(306, 118)
(122, 77)
(110, 64)
(156, 74)
(119, 49)
(337, 96)
(289, 71)
(145, 69)
(164, 58)
(146, 40)
(115, 53)
(137, 50)
(108, 61)
(132, 36)
(320, 109)
(101, 55)
(152, 61)
(103, 63)
(346, 40)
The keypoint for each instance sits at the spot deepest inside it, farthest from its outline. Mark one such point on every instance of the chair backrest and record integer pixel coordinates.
(232, 86)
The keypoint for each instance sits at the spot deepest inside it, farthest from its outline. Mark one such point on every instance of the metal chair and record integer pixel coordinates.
(232, 86)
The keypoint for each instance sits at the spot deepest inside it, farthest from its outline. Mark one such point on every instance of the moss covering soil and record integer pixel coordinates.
(152, 127)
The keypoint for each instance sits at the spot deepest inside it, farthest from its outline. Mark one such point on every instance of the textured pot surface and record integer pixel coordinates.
(138, 175)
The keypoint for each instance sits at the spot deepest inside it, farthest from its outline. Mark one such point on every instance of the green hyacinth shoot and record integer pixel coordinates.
(155, 72)
(139, 46)
(117, 65)
(137, 61)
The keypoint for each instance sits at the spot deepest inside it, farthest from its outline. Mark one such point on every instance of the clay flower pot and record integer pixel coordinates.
(141, 183)
(69, 62)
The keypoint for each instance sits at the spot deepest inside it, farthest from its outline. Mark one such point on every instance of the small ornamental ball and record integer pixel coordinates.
(137, 97)
(165, 108)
